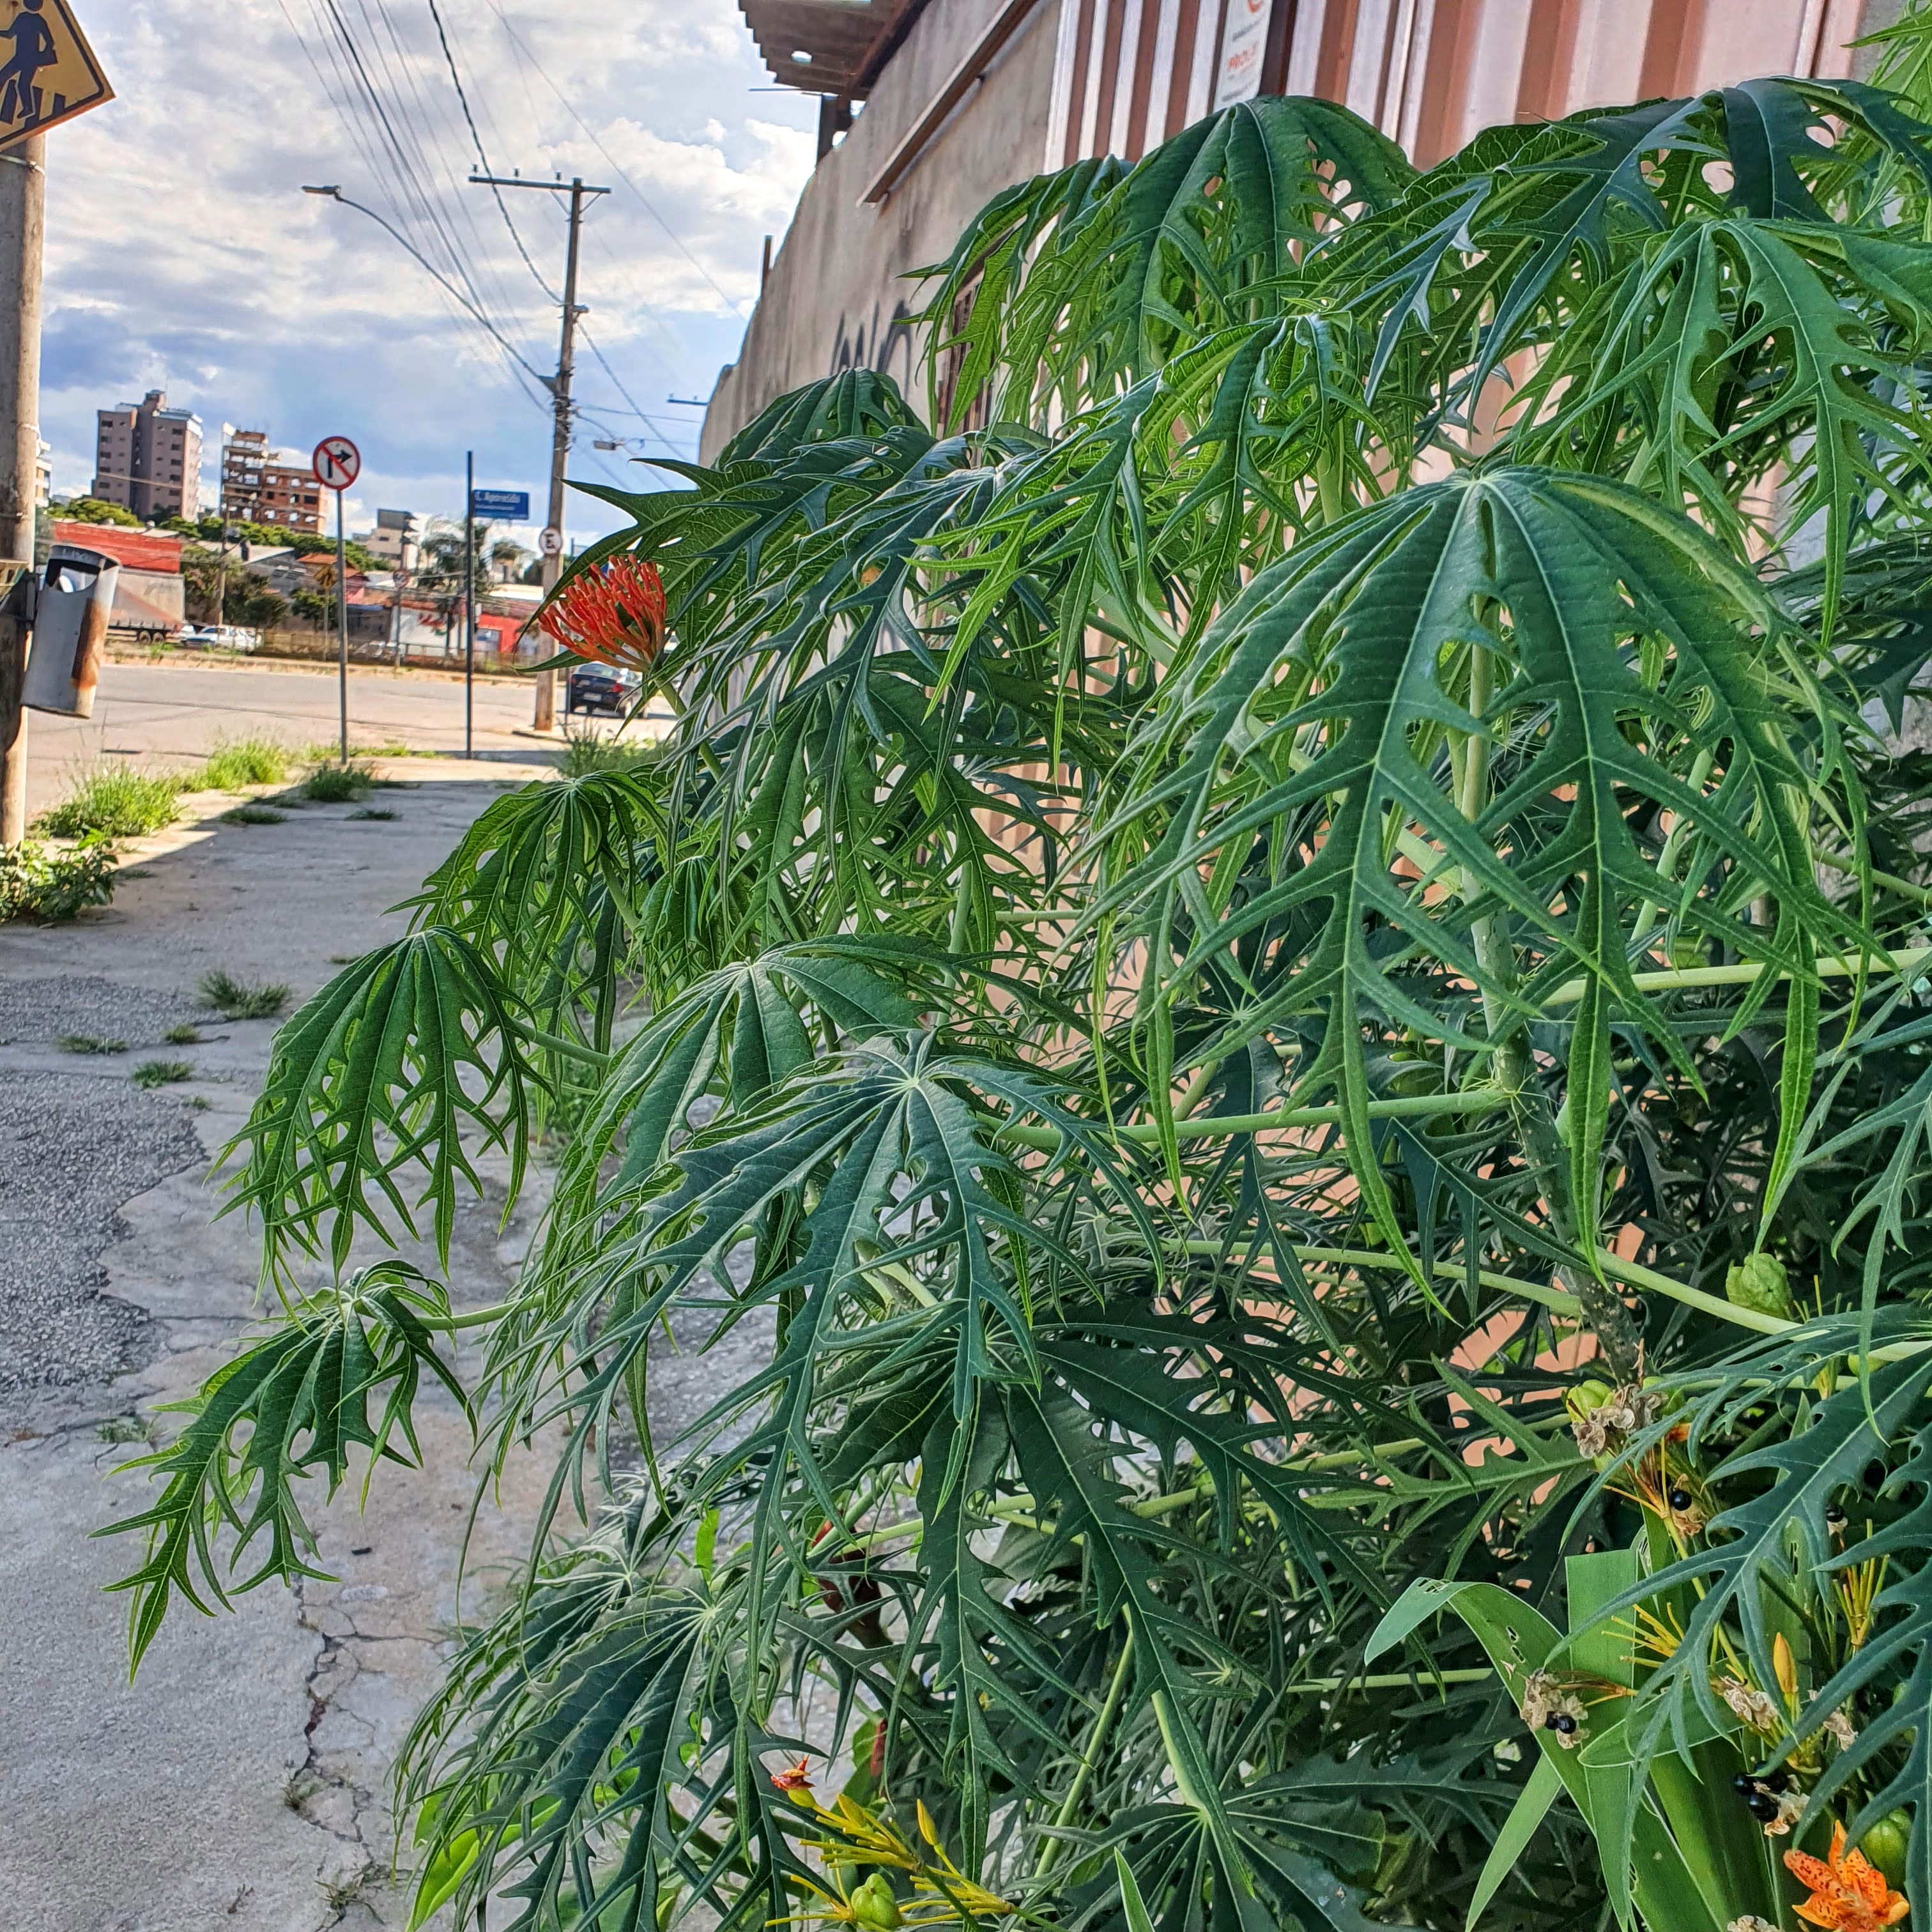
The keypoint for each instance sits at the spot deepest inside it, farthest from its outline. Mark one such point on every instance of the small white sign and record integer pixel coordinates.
(1243, 42)
(551, 543)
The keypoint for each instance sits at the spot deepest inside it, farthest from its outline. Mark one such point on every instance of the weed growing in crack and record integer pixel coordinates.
(184, 1035)
(86, 1042)
(337, 785)
(237, 762)
(161, 1072)
(254, 814)
(117, 802)
(121, 1429)
(374, 812)
(239, 1001)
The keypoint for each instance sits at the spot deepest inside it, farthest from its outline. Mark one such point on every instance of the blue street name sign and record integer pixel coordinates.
(501, 506)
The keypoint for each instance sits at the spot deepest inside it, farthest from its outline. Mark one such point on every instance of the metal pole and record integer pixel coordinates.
(23, 199)
(545, 719)
(342, 627)
(468, 604)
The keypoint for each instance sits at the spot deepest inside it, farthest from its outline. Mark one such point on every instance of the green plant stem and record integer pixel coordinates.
(1615, 1266)
(1890, 880)
(1117, 1691)
(1515, 1072)
(1683, 978)
(1504, 1284)
(1391, 1680)
(1408, 1106)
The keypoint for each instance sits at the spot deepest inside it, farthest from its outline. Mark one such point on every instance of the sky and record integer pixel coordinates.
(182, 255)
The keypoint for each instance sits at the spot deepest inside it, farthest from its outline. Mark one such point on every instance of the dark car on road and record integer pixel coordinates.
(597, 688)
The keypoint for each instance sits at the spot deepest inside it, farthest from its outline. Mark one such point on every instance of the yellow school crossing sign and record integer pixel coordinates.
(48, 73)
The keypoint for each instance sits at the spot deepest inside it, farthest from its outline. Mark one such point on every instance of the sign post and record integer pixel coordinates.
(337, 464)
(48, 74)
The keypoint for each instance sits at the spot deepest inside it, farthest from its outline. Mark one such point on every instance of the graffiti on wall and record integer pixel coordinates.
(882, 343)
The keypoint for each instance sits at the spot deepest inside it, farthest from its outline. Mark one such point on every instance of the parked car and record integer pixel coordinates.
(599, 687)
(199, 637)
(237, 637)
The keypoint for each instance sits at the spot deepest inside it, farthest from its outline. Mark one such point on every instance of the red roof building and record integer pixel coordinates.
(137, 549)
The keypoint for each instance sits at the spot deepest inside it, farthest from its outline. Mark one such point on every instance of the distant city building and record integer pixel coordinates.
(396, 538)
(147, 458)
(258, 485)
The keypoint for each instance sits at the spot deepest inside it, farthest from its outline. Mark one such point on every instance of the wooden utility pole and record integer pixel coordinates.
(559, 386)
(22, 206)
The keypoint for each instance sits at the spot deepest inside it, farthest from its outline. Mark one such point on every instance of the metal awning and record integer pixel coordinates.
(828, 47)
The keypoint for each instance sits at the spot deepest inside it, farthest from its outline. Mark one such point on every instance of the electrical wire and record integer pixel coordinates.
(617, 166)
(396, 157)
(482, 156)
(590, 342)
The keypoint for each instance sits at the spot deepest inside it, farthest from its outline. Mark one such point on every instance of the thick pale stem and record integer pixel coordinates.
(1116, 1691)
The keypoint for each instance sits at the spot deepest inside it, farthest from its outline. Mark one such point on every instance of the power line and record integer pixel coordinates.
(410, 168)
(400, 160)
(617, 166)
(590, 342)
(483, 159)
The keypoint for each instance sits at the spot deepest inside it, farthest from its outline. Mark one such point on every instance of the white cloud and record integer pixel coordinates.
(182, 254)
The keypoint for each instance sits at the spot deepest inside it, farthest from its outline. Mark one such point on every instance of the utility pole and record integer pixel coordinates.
(470, 604)
(23, 223)
(559, 386)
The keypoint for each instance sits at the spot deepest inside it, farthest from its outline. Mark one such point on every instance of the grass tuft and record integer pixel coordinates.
(184, 1035)
(254, 814)
(372, 812)
(239, 1001)
(114, 803)
(585, 752)
(337, 785)
(86, 1043)
(161, 1072)
(236, 763)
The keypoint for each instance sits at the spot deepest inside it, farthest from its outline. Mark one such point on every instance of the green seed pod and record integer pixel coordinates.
(1884, 1844)
(1586, 1397)
(1758, 1282)
(874, 1906)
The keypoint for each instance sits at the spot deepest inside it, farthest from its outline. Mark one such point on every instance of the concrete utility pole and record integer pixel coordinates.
(22, 206)
(559, 386)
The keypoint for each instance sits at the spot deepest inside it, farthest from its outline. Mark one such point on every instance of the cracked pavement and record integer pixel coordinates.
(240, 1782)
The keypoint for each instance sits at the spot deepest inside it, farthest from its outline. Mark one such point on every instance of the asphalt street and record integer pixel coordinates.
(170, 715)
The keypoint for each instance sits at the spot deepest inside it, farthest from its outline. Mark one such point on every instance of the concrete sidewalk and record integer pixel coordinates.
(238, 1782)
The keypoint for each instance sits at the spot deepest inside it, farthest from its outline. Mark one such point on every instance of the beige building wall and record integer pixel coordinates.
(1069, 79)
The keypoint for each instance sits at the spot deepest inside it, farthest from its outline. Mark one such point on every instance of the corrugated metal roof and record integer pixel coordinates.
(138, 549)
(848, 41)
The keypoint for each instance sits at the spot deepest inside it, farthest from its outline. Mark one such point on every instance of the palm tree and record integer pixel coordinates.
(1292, 973)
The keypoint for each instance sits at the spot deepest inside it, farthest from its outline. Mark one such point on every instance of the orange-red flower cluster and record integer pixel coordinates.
(614, 614)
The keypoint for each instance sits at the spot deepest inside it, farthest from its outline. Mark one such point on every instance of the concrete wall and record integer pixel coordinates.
(1429, 73)
(835, 299)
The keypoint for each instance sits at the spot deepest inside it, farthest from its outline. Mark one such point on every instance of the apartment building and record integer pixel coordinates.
(262, 485)
(147, 458)
(396, 538)
(929, 108)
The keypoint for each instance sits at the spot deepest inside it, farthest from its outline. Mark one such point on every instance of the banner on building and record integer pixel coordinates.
(1243, 42)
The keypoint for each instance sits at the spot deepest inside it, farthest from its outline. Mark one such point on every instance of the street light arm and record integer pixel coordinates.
(449, 288)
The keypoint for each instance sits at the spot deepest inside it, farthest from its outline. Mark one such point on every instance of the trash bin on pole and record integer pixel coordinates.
(70, 637)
